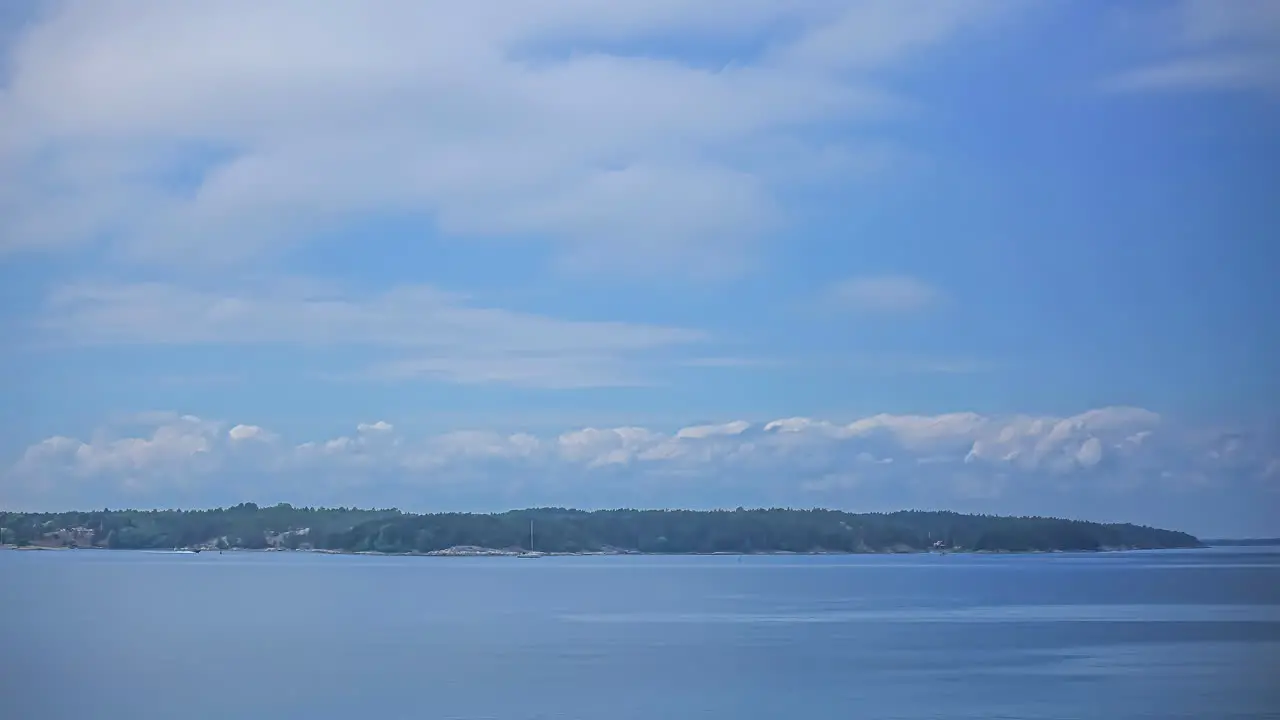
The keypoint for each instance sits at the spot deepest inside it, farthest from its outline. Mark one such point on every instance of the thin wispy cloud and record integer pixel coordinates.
(421, 331)
(1207, 45)
(884, 294)
(732, 362)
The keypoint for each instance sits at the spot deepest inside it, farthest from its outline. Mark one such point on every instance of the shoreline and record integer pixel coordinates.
(567, 532)
(473, 552)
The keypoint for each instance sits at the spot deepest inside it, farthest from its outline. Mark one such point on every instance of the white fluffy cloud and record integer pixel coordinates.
(1096, 463)
(242, 433)
(202, 132)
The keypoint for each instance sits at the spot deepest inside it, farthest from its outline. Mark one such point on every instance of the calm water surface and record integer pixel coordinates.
(137, 636)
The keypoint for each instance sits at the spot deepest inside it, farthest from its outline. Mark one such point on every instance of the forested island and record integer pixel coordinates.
(556, 530)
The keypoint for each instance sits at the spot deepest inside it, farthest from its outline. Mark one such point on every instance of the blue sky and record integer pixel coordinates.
(1037, 228)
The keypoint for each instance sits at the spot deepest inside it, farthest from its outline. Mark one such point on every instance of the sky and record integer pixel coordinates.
(990, 256)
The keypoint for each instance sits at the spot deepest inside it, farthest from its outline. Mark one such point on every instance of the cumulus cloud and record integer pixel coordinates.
(204, 132)
(1109, 461)
(1211, 45)
(249, 432)
(420, 331)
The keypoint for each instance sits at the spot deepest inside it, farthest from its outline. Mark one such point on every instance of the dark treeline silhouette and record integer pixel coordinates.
(249, 526)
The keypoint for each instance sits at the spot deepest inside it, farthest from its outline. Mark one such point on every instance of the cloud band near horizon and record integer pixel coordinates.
(1111, 464)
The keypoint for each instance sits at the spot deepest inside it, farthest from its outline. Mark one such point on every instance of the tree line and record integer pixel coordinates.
(560, 530)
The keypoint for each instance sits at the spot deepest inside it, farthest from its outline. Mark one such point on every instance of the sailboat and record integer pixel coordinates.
(531, 553)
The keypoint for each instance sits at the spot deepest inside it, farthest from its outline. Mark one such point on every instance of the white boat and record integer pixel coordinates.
(531, 553)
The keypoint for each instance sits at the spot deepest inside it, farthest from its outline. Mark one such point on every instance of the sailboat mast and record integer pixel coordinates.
(530, 536)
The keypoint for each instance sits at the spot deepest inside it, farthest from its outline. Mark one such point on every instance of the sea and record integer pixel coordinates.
(116, 635)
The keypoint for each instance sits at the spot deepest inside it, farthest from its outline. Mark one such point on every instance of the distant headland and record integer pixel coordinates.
(562, 531)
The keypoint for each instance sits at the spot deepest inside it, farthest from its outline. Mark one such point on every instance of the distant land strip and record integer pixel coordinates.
(562, 531)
